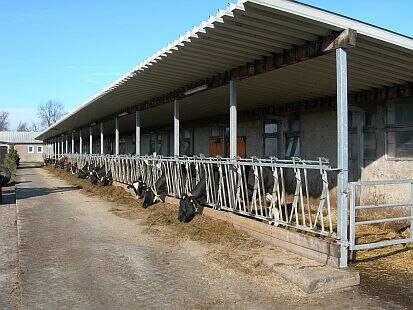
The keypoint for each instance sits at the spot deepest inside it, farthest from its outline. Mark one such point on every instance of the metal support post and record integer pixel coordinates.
(232, 119)
(90, 140)
(66, 145)
(54, 148)
(176, 127)
(116, 136)
(342, 154)
(80, 141)
(138, 133)
(73, 142)
(58, 147)
(101, 138)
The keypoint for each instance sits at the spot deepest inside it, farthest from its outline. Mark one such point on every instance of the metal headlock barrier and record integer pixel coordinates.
(384, 214)
(236, 186)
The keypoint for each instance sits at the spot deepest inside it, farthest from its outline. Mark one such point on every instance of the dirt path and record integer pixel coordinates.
(75, 253)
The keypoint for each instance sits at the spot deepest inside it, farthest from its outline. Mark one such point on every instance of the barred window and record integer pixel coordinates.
(292, 139)
(399, 129)
(271, 137)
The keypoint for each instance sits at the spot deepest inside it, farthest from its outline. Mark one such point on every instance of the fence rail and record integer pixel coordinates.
(385, 217)
(240, 186)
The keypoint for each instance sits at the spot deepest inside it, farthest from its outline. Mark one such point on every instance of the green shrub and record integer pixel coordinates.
(12, 160)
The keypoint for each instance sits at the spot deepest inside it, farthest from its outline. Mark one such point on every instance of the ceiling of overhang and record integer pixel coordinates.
(243, 33)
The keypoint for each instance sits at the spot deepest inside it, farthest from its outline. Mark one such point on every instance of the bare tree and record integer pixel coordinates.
(23, 126)
(36, 127)
(50, 112)
(4, 121)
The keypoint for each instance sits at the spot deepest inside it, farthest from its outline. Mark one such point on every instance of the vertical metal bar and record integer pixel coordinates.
(138, 133)
(116, 135)
(411, 211)
(90, 140)
(232, 119)
(67, 145)
(101, 138)
(176, 127)
(54, 149)
(73, 142)
(342, 154)
(352, 193)
(80, 141)
(58, 147)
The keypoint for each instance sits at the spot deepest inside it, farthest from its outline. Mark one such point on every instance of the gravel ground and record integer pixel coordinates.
(75, 253)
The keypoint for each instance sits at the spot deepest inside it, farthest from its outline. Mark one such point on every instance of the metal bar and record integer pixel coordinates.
(138, 133)
(67, 145)
(90, 140)
(101, 139)
(342, 153)
(383, 182)
(411, 211)
(80, 141)
(352, 216)
(380, 244)
(176, 127)
(116, 135)
(73, 142)
(395, 205)
(392, 219)
(232, 119)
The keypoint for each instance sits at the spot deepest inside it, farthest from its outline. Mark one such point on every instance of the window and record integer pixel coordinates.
(155, 143)
(399, 129)
(366, 120)
(271, 138)
(39, 149)
(292, 139)
(30, 149)
(186, 144)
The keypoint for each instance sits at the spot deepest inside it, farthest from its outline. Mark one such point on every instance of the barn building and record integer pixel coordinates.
(267, 79)
(29, 149)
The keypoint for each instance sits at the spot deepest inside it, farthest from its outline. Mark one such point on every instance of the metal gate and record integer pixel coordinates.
(389, 201)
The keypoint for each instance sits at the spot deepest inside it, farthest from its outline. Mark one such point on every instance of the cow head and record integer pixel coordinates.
(139, 188)
(149, 198)
(187, 209)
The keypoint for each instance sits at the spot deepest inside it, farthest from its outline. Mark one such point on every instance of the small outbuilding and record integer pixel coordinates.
(29, 149)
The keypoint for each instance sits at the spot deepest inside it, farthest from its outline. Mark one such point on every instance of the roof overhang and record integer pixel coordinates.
(249, 36)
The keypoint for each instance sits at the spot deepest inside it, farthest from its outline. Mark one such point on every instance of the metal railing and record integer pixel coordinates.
(382, 211)
(239, 186)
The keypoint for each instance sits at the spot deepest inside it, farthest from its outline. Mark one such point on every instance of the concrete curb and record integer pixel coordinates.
(313, 278)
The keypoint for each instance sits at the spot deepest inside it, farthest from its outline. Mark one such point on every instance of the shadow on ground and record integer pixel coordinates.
(25, 193)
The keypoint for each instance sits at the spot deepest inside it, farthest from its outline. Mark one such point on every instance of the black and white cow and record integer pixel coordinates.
(83, 173)
(158, 194)
(139, 188)
(193, 203)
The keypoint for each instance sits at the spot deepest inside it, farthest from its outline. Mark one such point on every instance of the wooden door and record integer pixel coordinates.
(215, 147)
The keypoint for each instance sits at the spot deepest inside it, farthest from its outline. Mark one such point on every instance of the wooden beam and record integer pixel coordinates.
(346, 39)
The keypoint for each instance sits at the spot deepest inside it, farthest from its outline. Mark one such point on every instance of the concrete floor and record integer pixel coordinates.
(74, 254)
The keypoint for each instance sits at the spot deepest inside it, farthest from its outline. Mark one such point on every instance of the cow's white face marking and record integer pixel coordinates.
(135, 185)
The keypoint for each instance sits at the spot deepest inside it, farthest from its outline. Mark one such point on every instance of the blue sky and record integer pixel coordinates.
(69, 50)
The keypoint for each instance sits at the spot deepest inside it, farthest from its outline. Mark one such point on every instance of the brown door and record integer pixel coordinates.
(215, 147)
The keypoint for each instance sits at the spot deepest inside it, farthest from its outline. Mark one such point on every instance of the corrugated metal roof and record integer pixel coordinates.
(14, 137)
(243, 33)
